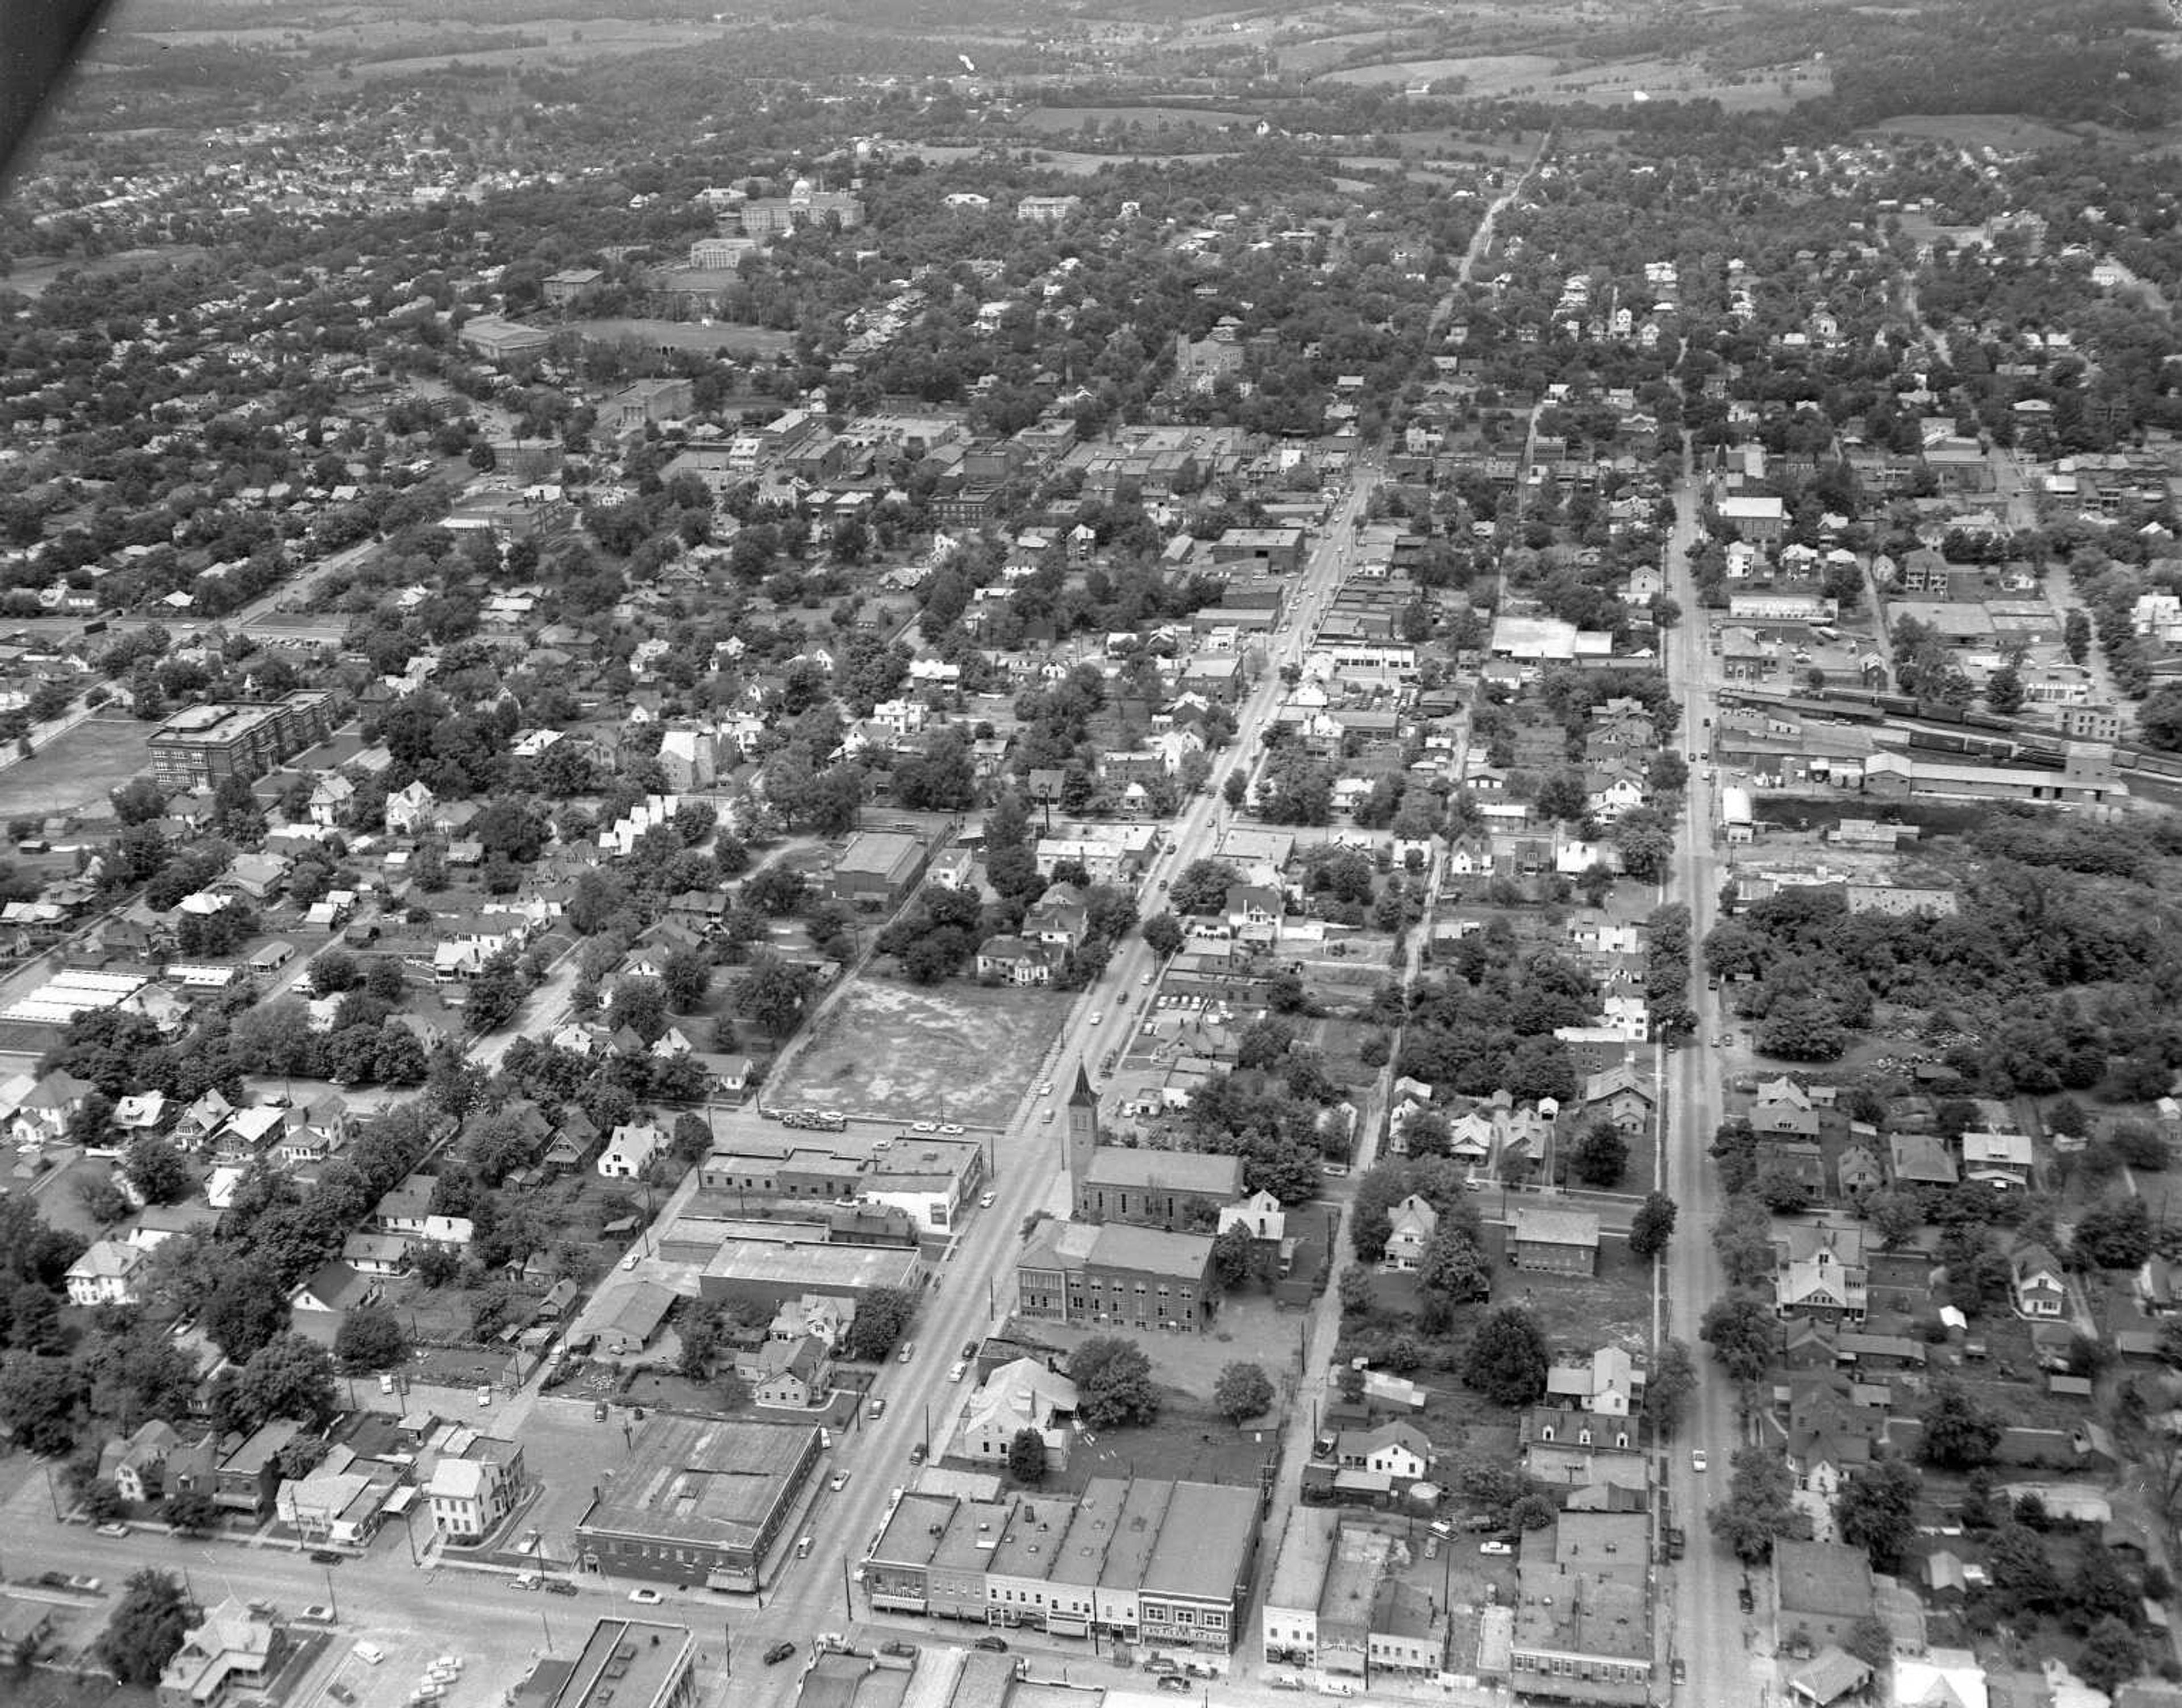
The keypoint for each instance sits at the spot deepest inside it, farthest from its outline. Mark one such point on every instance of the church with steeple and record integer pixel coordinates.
(1181, 1192)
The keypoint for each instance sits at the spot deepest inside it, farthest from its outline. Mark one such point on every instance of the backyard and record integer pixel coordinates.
(959, 1054)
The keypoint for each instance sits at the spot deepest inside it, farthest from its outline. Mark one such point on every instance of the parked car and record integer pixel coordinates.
(898, 1649)
(951, 1131)
(559, 1586)
(1745, 1598)
(318, 1613)
(779, 1652)
(646, 1596)
(1096, 1017)
(908, 1351)
(340, 1693)
(924, 1127)
(326, 1556)
(1495, 1546)
(917, 1454)
(839, 1481)
(955, 1374)
(1173, 1681)
(116, 1530)
(985, 1200)
(1696, 1459)
(992, 1645)
(1680, 1670)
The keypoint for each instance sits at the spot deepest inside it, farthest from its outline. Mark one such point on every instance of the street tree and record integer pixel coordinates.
(1652, 1226)
(1760, 1507)
(147, 1628)
(1741, 1330)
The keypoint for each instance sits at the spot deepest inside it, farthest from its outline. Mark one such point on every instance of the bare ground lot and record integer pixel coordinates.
(76, 770)
(961, 1054)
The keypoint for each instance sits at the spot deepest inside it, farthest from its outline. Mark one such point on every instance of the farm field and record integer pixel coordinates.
(961, 1054)
(1051, 119)
(2006, 131)
(76, 770)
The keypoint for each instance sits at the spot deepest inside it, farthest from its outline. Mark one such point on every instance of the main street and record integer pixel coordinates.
(972, 1291)
(1711, 1635)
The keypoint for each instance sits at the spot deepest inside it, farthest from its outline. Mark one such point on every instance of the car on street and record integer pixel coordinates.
(559, 1586)
(483, 1395)
(1173, 1681)
(992, 1645)
(1045, 1089)
(908, 1351)
(898, 1649)
(1682, 1670)
(645, 1597)
(779, 1652)
(924, 1127)
(115, 1530)
(951, 1131)
(1145, 980)
(318, 1613)
(986, 1199)
(1696, 1459)
(326, 1556)
(1047, 1117)
(629, 1261)
(877, 1408)
(340, 1693)
(1746, 1598)
(1495, 1546)
(956, 1373)
(969, 1349)
(917, 1454)
(838, 1481)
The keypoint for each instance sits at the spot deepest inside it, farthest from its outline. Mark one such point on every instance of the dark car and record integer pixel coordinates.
(1746, 1600)
(1682, 1670)
(326, 1556)
(969, 1349)
(559, 1586)
(917, 1454)
(992, 1645)
(904, 1650)
(779, 1652)
(1173, 1681)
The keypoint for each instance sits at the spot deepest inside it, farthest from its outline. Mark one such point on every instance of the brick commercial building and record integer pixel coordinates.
(698, 1501)
(204, 745)
(1146, 1560)
(878, 869)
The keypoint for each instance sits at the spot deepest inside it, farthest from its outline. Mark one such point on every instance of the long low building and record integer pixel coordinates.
(1166, 1564)
(698, 1501)
(929, 1179)
(771, 1273)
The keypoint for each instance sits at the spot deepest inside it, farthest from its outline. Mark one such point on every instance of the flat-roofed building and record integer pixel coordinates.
(878, 869)
(202, 746)
(772, 1272)
(1116, 1275)
(624, 1663)
(698, 1501)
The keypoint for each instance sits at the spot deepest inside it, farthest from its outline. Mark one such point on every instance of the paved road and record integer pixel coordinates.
(1711, 1635)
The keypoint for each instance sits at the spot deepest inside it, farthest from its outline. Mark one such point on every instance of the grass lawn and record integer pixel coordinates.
(1188, 1442)
(955, 1053)
(1581, 1313)
(77, 769)
(683, 334)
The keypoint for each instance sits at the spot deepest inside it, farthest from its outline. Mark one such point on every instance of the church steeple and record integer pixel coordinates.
(1082, 1130)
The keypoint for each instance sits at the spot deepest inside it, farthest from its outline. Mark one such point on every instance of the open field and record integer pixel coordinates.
(32, 273)
(1051, 119)
(2008, 131)
(76, 770)
(1617, 83)
(688, 335)
(959, 1054)
(1078, 165)
(1484, 72)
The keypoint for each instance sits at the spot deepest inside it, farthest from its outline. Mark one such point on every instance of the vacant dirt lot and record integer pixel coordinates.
(959, 1052)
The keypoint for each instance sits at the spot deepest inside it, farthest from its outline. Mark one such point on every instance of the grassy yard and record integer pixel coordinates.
(76, 770)
(955, 1053)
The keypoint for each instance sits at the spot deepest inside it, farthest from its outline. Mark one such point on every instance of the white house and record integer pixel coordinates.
(629, 1150)
(1413, 1222)
(106, 1274)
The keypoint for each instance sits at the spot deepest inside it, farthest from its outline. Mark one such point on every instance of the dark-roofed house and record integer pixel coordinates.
(1554, 1241)
(878, 870)
(250, 1472)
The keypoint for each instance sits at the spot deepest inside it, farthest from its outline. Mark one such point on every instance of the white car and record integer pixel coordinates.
(646, 1598)
(908, 1351)
(1045, 1090)
(985, 1200)
(1494, 1548)
(1696, 1459)
(951, 1131)
(1096, 1017)
(925, 1127)
(839, 1481)
(955, 1374)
